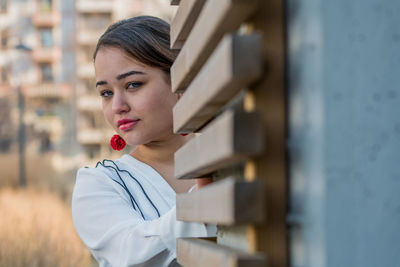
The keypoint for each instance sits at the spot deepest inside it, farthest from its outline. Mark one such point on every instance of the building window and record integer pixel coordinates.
(45, 5)
(47, 72)
(95, 21)
(3, 5)
(4, 76)
(46, 37)
(4, 40)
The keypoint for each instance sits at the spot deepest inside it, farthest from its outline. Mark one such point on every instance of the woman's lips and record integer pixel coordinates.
(125, 124)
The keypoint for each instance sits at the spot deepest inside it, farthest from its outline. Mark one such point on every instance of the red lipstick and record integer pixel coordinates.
(126, 124)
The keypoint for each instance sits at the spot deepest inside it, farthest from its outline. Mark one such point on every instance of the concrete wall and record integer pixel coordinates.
(344, 132)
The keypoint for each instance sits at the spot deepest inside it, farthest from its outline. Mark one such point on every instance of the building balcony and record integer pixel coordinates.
(46, 19)
(86, 71)
(47, 90)
(46, 54)
(6, 21)
(90, 136)
(5, 58)
(94, 6)
(88, 37)
(89, 103)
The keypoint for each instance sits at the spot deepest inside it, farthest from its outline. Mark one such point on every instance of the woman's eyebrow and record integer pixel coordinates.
(101, 83)
(129, 73)
(122, 76)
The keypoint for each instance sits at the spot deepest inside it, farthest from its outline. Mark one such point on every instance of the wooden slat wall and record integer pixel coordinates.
(175, 2)
(223, 142)
(184, 20)
(232, 51)
(231, 67)
(232, 202)
(200, 253)
(216, 18)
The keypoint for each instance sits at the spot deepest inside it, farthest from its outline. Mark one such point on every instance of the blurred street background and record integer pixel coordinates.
(51, 121)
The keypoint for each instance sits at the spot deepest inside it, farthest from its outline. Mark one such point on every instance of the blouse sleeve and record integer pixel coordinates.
(115, 232)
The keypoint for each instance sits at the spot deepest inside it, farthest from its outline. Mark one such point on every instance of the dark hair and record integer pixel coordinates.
(145, 38)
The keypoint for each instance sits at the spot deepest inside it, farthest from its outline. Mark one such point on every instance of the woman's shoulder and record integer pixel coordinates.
(107, 170)
(90, 173)
(91, 179)
(95, 174)
(101, 167)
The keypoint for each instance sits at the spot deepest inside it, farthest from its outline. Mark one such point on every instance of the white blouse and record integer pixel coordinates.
(124, 211)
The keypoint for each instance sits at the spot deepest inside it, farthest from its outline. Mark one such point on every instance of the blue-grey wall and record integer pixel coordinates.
(344, 132)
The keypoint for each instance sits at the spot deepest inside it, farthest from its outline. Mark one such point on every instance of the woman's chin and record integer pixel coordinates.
(136, 140)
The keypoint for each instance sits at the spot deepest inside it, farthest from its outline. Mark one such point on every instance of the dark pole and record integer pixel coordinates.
(21, 126)
(21, 138)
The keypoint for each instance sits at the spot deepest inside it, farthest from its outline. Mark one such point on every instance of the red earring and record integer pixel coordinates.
(117, 142)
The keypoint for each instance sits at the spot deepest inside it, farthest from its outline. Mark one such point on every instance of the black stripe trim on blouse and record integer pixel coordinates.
(117, 170)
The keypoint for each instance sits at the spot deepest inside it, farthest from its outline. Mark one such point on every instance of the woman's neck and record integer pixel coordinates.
(161, 152)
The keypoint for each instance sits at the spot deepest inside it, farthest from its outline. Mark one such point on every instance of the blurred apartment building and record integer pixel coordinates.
(31, 65)
(62, 111)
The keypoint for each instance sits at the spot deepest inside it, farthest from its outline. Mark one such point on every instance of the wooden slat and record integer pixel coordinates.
(199, 253)
(217, 18)
(225, 202)
(175, 2)
(236, 62)
(232, 137)
(184, 20)
(236, 236)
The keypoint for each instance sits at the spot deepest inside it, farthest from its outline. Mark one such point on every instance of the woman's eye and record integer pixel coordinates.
(134, 85)
(106, 93)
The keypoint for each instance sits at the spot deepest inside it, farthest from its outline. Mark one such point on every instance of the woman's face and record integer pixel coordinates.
(137, 99)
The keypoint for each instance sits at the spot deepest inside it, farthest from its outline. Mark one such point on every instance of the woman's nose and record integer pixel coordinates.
(119, 104)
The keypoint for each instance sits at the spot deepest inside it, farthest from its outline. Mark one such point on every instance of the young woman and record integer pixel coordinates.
(124, 210)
